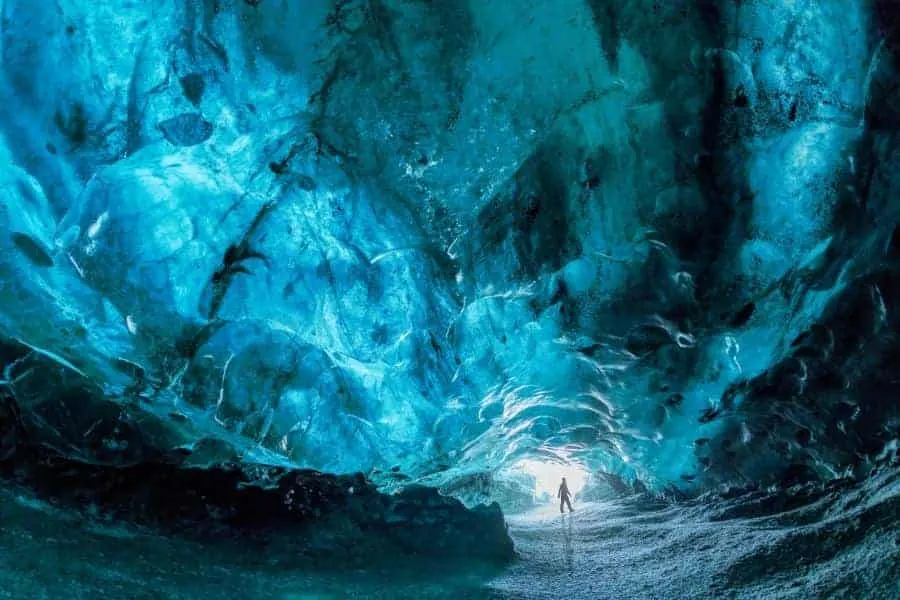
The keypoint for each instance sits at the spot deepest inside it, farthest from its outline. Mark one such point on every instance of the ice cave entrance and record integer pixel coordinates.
(547, 476)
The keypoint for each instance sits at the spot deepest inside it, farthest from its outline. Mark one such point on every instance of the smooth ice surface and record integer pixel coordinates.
(429, 240)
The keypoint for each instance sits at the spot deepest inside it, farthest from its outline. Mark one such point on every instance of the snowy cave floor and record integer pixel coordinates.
(622, 550)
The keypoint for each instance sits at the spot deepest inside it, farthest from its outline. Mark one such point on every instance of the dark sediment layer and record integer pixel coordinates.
(342, 520)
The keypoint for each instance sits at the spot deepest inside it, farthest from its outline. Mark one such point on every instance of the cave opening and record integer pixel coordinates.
(548, 475)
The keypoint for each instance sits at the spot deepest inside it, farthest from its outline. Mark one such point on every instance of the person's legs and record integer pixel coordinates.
(568, 503)
(562, 502)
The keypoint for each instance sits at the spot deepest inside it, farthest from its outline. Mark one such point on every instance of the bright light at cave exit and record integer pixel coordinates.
(548, 476)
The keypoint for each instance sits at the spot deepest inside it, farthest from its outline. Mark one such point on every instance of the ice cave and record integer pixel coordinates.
(322, 299)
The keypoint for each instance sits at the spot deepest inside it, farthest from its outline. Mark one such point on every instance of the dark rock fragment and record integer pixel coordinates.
(187, 129)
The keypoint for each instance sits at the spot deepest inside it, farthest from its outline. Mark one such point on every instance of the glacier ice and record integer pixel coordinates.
(431, 241)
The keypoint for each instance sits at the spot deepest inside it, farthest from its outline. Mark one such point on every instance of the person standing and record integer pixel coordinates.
(564, 496)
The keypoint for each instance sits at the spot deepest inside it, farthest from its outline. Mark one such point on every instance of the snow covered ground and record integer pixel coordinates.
(836, 545)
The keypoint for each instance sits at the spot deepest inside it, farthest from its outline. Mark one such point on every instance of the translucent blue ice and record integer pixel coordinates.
(445, 237)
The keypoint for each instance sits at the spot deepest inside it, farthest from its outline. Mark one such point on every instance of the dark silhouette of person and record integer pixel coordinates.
(564, 495)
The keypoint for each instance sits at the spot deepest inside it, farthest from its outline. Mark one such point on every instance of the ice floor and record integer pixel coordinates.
(618, 550)
(635, 550)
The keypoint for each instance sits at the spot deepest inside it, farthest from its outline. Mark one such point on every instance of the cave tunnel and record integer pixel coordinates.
(324, 298)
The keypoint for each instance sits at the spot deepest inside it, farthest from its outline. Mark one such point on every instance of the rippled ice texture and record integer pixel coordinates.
(653, 237)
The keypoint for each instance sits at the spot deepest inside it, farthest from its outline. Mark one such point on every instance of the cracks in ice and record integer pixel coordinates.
(232, 262)
(220, 398)
(9, 380)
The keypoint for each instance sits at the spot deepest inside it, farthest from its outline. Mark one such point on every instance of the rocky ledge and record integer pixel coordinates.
(338, 520)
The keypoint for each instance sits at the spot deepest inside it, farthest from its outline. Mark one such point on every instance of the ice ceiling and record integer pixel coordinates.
(654, 238)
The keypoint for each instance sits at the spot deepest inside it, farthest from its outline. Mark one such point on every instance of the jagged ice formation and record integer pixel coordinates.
(654, 238)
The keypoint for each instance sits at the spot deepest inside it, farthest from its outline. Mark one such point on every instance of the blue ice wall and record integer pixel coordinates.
(447, 236)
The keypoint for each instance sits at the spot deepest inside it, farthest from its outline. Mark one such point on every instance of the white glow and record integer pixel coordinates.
(548, 476)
